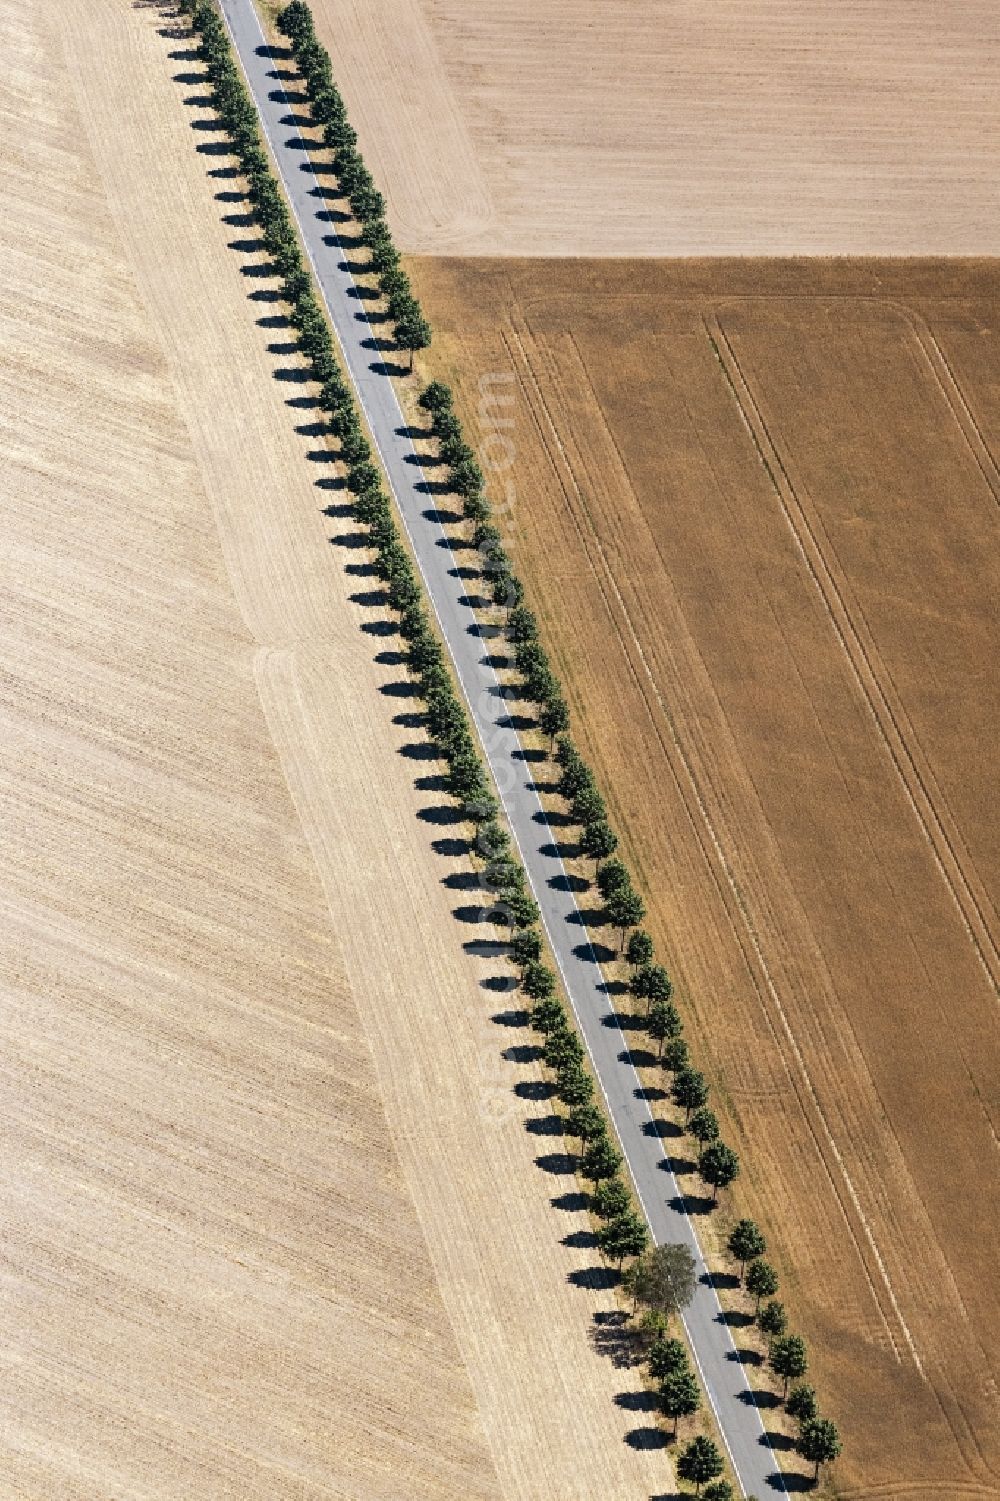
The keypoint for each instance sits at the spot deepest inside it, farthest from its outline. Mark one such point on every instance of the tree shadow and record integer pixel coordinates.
(517, 1018)
(763, 1400)
(441, 814)
(559, 1164)
(483, 948)
(640, 1401)
(689, 1204)
(790, 1481)
(743, 1355)
(650, 1092)
(535, 1090)
(566, 882)
(580, 1240)
(571, 1203)
(719, 1280)
(594, 1278)
(735, 1318)
(637, 1057)
(420, 750)
(455, 849)
(545, 1125)
(593, 953)
(613, 1335)
(646, 1438)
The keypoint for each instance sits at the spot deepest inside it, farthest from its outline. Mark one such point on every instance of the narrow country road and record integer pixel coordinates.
(721, 1370)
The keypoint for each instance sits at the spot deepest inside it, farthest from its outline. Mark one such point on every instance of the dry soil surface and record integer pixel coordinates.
(756, 507)
(736, 127)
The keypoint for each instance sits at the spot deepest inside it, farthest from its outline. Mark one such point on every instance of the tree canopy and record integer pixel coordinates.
(700, 1461)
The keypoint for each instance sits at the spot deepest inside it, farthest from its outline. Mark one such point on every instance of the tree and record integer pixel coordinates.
(761, 1280)
(444, 421)
(675, 1055)
(625, 1235)
(562, 1046)
(548, 1016)
(704, 1127)
(362, 478)
(436, 397)
(666, 1358)
(772, 1319)
(626, 909)
(801, 1403)
(465, 477)
(819, 1442)
(679, 1396)
(699, 1462)
(525, 946)
(718, 1166)
(664, 1022)
(574, 1086)
(521, 623)
(613, 875)
(295, 21)
(553, 720)
(588, 806)
(586, 1123)
(537, 980)
(599, 841)
(789, 1358)
(651, 983)
(424, 648)
(413, 332)
(600, 1160)
(355, 448)
(465, 780)
(503, 874)
(746, 1243)
(366, 202)
(521, 909)
(689, 1089)
(664, 1279)
(507, 592)
(492, 840)
(640, 948)
(611, 1198)
(720, 1490)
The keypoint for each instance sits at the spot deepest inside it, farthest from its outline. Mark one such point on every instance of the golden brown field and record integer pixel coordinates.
(740, 127)
(272, 1221)
(756, 507)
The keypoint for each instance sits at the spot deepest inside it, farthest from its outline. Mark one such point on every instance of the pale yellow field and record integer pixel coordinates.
(737, 127)
(271, 1221)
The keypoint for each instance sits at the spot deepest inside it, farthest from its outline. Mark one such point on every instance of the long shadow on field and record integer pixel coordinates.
(447, 831)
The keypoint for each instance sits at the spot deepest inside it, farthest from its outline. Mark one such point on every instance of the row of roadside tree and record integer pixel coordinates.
(622, 1233)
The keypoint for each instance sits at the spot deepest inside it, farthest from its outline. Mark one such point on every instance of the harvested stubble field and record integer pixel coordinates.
(273, 1224)
(740, 127)
(756, 505)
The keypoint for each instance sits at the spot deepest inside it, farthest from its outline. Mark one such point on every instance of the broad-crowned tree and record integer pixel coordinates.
(699, 1462)
(746, 1243)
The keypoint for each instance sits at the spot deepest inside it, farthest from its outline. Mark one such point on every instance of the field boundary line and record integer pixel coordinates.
(758, 967)
(869, 671)
(954, 395)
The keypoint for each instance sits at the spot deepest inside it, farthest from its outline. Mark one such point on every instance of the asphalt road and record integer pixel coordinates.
(721, 1371)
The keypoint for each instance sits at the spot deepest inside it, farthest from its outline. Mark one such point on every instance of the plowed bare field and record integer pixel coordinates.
(757, 509)
(272, 1220)
(736, 127)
